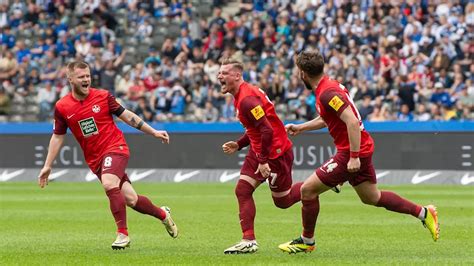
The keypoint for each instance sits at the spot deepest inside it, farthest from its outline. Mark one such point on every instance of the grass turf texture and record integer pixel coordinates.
(70, 223)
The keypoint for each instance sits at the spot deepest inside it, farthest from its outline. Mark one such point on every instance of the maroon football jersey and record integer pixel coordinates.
(92, 124)
(250, 114)
(333, 98)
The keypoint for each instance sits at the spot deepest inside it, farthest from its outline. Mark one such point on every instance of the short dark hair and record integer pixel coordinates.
(311, 62)
(235, 63)
(76, 64)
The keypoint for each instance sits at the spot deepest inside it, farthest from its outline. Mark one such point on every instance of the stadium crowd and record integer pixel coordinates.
(401, 60)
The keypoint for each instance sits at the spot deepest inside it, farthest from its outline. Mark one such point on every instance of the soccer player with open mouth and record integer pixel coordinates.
(270, 157)
(87, 112)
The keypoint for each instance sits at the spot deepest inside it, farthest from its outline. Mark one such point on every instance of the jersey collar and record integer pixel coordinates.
(321, 82)
(87, 97)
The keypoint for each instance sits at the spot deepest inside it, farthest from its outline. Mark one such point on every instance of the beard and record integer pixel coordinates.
(79, 90)
(307, 85)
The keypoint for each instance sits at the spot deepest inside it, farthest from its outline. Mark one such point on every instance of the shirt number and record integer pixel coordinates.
(361, 125)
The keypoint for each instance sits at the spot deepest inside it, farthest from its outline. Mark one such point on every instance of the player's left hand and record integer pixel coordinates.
(353, 165)
(264, 170)
(163, 135)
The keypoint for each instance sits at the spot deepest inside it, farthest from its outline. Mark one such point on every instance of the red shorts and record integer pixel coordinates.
(280, 168)
(115, 164)
(334, 171)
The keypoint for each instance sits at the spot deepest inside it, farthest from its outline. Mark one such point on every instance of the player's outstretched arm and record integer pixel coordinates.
(314, 124)
(55, 145)
(233, 146)
(230, 147)
(135, 121)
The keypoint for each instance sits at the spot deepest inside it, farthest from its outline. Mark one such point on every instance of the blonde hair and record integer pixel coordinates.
(235, 64)
(76, 64)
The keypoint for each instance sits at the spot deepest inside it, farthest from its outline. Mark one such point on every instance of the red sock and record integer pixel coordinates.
(395, 203)
(117, 207)
(293, 197)
(145, 206)
(309, 213)
(244, 191)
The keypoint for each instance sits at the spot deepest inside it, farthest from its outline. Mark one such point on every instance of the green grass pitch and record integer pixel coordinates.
(70, 223)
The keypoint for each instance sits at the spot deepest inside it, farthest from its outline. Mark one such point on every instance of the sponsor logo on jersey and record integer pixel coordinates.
(96, 108)
(88, 127)
(336, 103)
(257, 112)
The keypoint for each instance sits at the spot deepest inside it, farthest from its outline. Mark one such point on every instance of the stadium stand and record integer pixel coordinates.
(402, 60)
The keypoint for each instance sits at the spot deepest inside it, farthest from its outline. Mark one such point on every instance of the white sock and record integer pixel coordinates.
(422, 214)
(307, 240)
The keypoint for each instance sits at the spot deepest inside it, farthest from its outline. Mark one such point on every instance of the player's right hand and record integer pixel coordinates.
(43, 176)
(230, 147)
(292, 129)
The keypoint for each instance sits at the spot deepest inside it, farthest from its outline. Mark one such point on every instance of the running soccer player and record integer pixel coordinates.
(270, 156)
(353, 160)
(87, 112)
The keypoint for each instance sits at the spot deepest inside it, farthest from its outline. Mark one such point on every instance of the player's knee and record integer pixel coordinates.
(308, 193)
(109, 182)
(282, 202)
(243, 189)
(109, 185)
(369, 199)
(131, 201)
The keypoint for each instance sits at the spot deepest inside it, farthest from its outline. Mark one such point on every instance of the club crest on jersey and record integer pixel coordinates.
(336, 103)
(96, 108)
(88, 127)
(257, 112)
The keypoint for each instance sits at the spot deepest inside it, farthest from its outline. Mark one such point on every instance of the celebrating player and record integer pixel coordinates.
(270, 156)
(353, 160)
(87, 112)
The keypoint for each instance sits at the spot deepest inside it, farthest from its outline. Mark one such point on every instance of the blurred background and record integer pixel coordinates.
(408, 66)
(402, 60)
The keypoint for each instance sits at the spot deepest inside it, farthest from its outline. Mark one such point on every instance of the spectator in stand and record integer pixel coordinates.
(368, 46)
(405, 114)
(8, 40)
(441, 96)
(422, 114)
(228, 110)
(46, 98)
(366, 108)
(143, 110)
(210, 113)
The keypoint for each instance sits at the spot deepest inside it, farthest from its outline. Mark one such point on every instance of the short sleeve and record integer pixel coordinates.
(114, 107)
(334, 101)
(252, 108)
(59, 125)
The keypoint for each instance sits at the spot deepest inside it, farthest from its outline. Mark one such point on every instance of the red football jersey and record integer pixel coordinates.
(333, 98)
(92, 124)
(250, 114)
